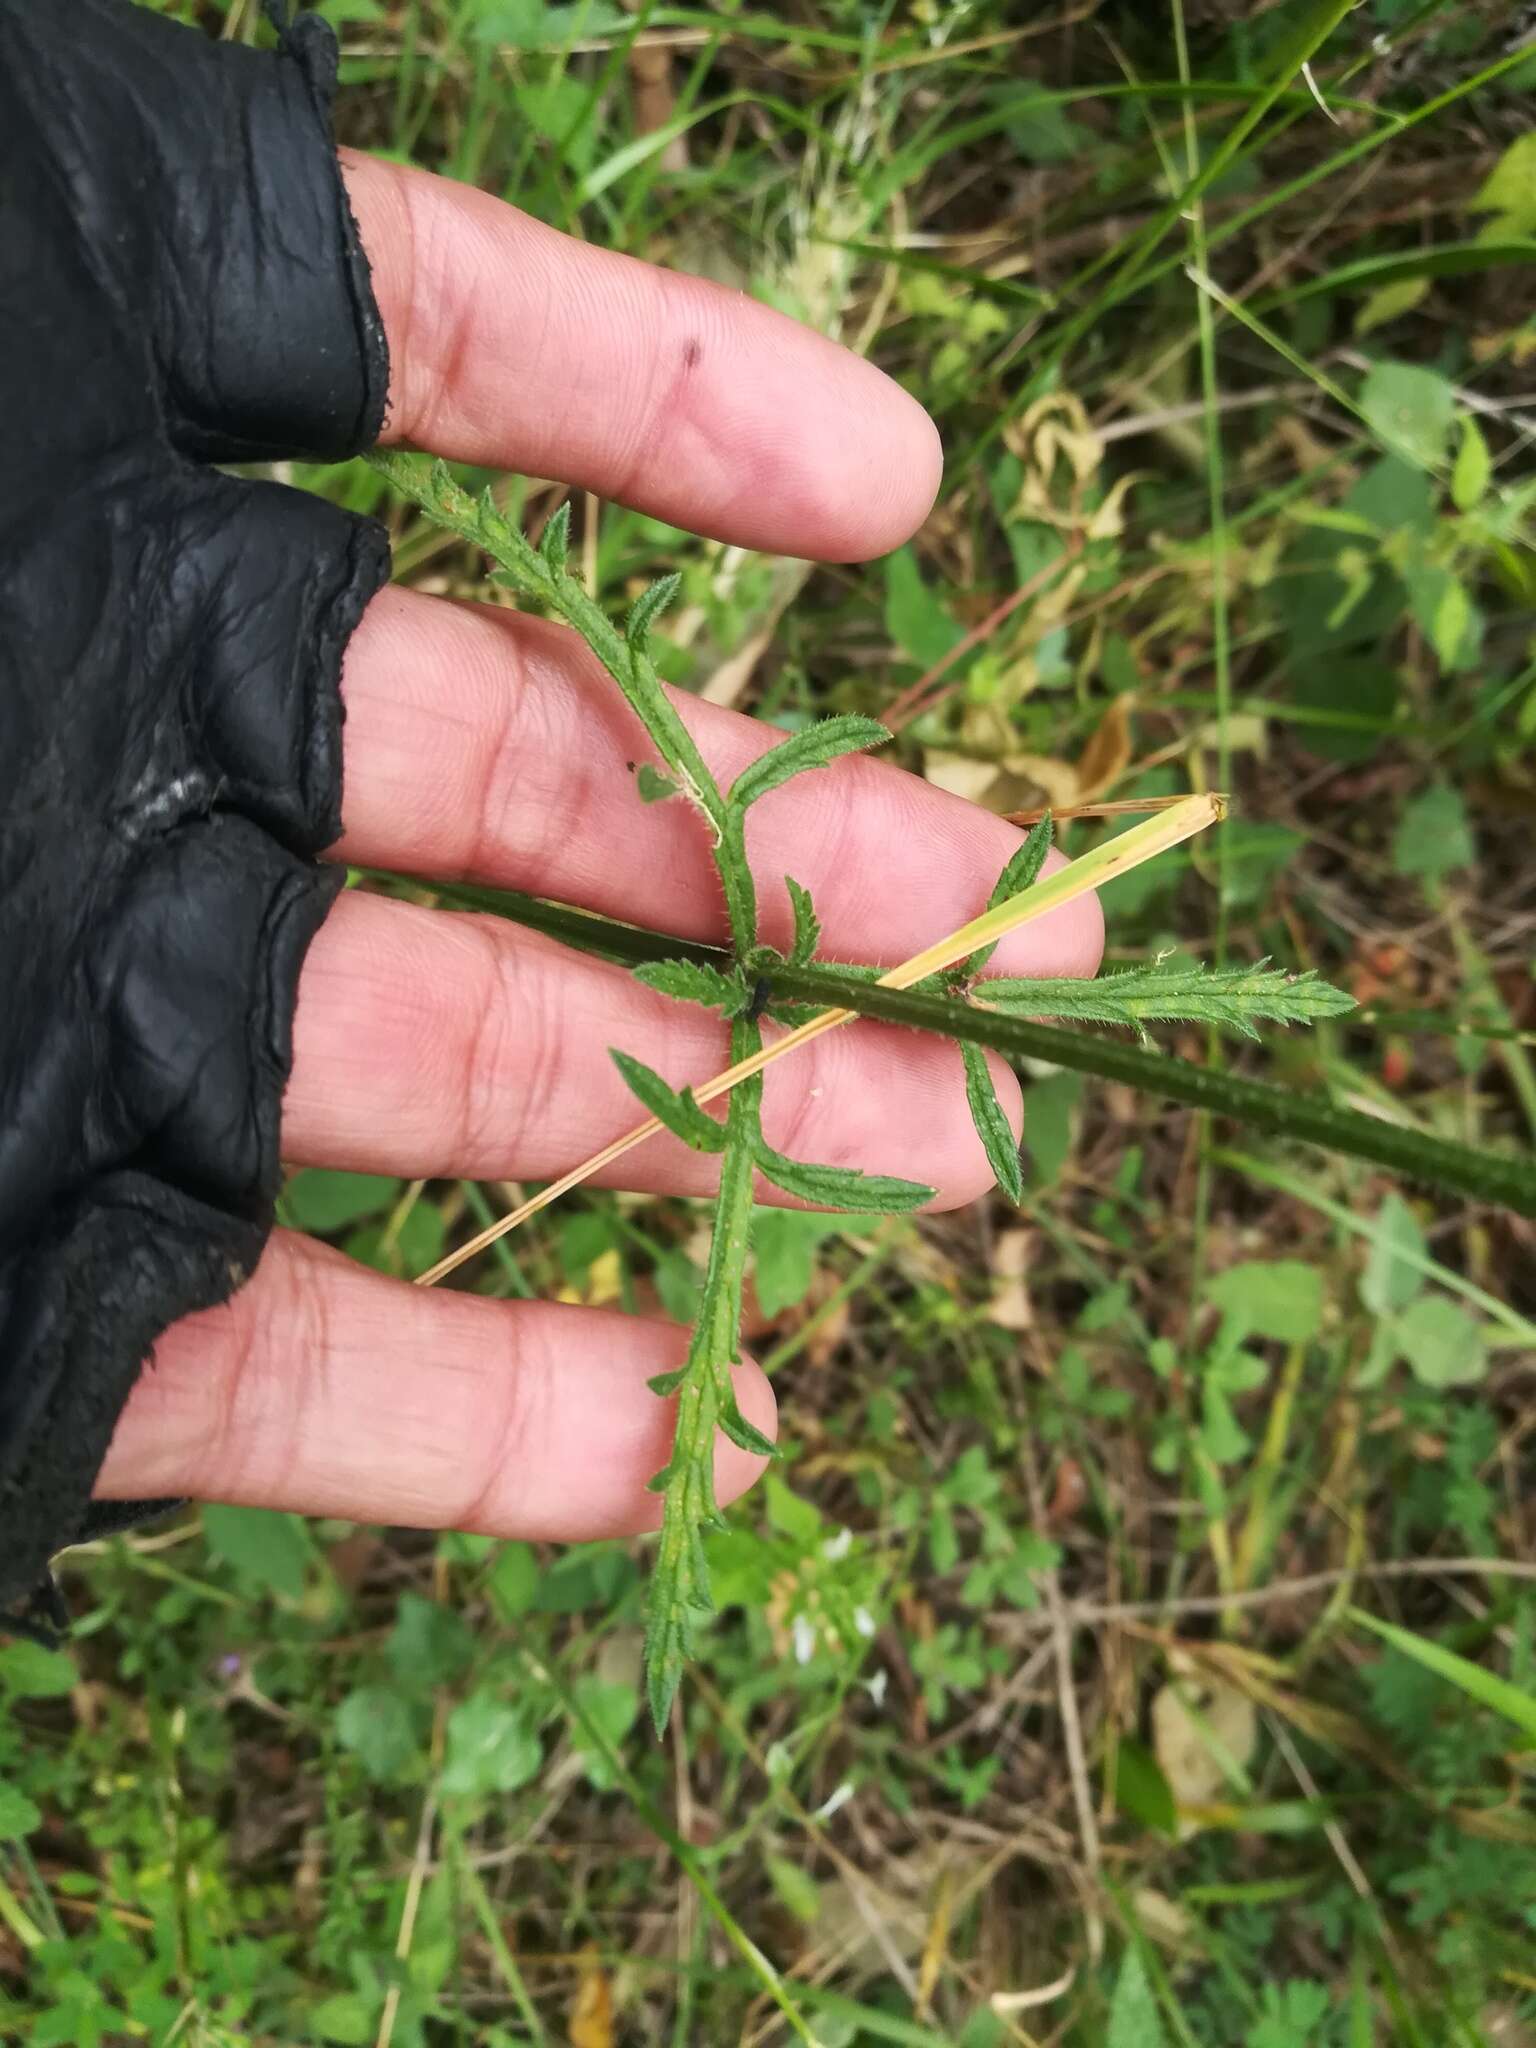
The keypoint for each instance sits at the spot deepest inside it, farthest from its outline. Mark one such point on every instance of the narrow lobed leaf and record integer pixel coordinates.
(555, 541)
(841, 1187)
(678, 1111)
(807, 924)
(692, 982)
(648, 607)
(1233, 998)
(745, 1435)
(1021, 873)
(992, 1125)
(818, 745)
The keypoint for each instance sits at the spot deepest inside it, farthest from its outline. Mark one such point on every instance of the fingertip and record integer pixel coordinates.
(886, 492)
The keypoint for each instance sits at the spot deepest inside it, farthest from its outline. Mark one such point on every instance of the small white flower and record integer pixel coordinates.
(839, 1798)
(864, 1622)
(837, 1546)
(804, 1640)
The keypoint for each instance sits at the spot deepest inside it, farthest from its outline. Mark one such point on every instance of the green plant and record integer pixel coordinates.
(706, 1400)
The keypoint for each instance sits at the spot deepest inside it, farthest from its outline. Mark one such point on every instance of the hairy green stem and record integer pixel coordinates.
(1507, 1179)
(706, 1401)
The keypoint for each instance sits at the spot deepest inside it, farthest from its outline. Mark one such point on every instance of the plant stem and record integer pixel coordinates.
(1505, 1179)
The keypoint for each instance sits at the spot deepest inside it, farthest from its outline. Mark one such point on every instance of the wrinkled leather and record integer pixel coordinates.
(181, 283)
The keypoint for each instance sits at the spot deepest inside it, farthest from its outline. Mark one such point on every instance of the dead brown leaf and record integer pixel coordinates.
(591, 2023)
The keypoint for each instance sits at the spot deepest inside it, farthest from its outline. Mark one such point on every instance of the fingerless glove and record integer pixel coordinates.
(181, 285)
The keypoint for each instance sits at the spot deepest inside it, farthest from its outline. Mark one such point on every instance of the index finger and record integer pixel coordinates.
(514, 346)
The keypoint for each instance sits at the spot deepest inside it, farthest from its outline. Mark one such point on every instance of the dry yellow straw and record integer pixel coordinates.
(1134, 807)
(1141, 843)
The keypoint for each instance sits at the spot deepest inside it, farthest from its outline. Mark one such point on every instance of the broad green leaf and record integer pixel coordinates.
(1280, 1298)
(1390, 1280)
(1141, 1791)
(992, 1125)
(322, 1201)
(1445, 611)
(30, 1672)
(796, 1889)
(540, 25)
(416, 1245)
(1517, 1705)
(678, 1111)
(347, 2018)
(266, 1549)
(1444, 1346)
(1389, 302)
(491, 1748)
(914, 617)
(1411, 408)
(429, 1644)
(1433, 834)
(1049, 1108)
(1509, 190)
(1042, 131)
(513, 1581)
(1361, 687)
(1134, 2020)
(1473, 466)
(807, 924)
(784, 1245)
(842, 1187)
(612, 1707)
(791, 1514)
(691, 982)
(19, 1815)
(814, 747)
(1221, 1434)
(1256, 853)
(376, 1724)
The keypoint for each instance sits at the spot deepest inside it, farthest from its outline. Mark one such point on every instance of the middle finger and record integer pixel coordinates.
(432, 1043)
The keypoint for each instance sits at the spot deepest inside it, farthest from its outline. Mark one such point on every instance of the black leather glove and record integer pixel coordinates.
(180, 284)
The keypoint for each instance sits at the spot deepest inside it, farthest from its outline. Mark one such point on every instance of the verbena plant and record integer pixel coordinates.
(749, 979)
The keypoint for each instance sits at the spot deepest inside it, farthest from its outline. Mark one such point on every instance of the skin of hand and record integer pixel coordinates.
(482, 743)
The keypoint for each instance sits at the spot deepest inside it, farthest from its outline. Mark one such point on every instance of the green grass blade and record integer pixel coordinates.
(1486, 1687)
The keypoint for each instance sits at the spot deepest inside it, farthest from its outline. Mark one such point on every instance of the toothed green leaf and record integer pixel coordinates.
(1021, 873)
(555, 541)
(814, 748)
(992, 1125)
(691, 982)
(678, 1111)
(807, 924)
(842, 1187)
(647, 607)
(1234, 998)
(745, 1435)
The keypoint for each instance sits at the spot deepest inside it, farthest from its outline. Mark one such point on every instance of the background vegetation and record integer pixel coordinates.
(1140, 1646)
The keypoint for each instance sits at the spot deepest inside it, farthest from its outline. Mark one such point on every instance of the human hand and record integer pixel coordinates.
(483, 743)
